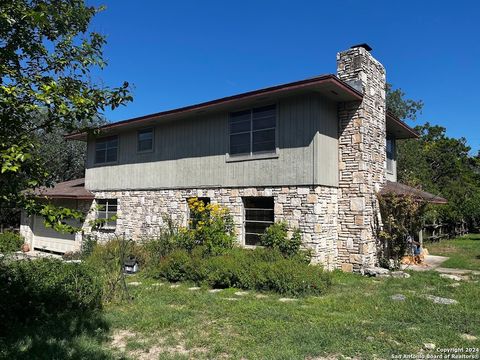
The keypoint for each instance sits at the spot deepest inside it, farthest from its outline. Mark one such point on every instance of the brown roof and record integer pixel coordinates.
(399, 128)
(402, 189)
(73, 189)
(329, 85)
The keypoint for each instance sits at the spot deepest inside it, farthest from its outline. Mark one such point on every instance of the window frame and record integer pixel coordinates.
(390, 160)
(244, 222)
(251, 155)
(108, 225)
(152, 129)
(106, 138)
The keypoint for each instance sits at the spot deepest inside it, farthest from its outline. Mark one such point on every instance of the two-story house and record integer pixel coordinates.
(314, 153)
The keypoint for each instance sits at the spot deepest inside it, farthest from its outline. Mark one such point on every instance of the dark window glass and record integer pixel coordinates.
(145, 140)
(107, 209)
(390, 154)
(241, 126)
(258, 216)
(264, 118)
(106, 150)
(253, 131)
(240, 143)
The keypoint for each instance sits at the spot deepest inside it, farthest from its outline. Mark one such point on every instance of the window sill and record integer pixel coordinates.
(108, 229)
(237, 158)
(105, 164)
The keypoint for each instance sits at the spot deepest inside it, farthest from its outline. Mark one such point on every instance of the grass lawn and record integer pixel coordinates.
(464, 252)
(356, 318)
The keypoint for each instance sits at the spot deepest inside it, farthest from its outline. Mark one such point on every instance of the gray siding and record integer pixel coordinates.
(191, 152)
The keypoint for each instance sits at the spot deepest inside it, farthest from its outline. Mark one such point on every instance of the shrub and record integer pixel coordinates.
(297, 278)
(34, 289)
(402, 216)
(276, 237)
(170, 238)
(259, 269)
(177, 266)
(108, 259)
(10, 242)
(211, 226)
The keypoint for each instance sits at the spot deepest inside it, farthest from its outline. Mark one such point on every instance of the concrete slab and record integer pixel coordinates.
(453, 271)
(431, 263)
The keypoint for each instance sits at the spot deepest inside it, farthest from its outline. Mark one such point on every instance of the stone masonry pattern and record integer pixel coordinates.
(311, 209)
(362, 157)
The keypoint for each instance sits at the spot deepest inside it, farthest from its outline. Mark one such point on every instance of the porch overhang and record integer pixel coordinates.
(73, 189)
(405, 190)
(399, 129)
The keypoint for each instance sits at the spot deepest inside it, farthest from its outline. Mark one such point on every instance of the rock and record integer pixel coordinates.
(134, 283)
(452, 277)
(241, 293)
(454, 284)
(174, 286)
(468, 337)
(376, 271)
(370, 338)
(261, 296)
(399, 274)
(287, 299)
(194, 288)
(214, 290)
(398, 297)
(429, 346)
(440, 300)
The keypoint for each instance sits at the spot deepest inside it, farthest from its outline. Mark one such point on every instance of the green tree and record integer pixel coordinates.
(400, 106)
(47, 56)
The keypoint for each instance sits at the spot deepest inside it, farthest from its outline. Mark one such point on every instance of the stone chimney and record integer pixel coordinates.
(362, 157)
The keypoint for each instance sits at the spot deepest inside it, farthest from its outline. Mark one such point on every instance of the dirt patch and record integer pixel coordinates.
(155, 351)
(120, 338)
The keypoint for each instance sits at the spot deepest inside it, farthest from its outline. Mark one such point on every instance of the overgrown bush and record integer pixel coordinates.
(10, 242)
(259, 269)
(170, 238)
(108, 259)
(34, 289)
(177, 266)
(210, 226)
(402, 216)
(276, 237)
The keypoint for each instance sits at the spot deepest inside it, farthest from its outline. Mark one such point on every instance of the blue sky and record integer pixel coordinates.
(177, 53)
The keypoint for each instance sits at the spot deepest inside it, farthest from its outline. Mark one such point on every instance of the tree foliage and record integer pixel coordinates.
(402, 216)
(47, 62)
(440, 165)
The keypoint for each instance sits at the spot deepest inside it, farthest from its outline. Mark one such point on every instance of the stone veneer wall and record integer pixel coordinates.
(312, 209)
(362, 157)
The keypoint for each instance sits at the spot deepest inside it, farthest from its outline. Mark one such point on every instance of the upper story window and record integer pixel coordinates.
(106, 150)
(145, 140)
(390, 153)
(253, 131)
(107, 212)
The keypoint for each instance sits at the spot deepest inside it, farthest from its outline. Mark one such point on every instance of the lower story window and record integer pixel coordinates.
(258, 216)
(107, 213)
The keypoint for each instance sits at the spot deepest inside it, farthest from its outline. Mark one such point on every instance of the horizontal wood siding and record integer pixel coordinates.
(192, 153)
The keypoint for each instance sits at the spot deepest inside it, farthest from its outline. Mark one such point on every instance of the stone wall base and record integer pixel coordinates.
(312, 209)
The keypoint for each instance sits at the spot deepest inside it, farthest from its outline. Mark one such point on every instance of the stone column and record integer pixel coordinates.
(362, 158)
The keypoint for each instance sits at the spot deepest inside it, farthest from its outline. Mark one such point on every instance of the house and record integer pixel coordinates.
(314, 153)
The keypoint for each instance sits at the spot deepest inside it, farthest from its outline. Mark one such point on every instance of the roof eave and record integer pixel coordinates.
(340, 85)
(400, 128)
